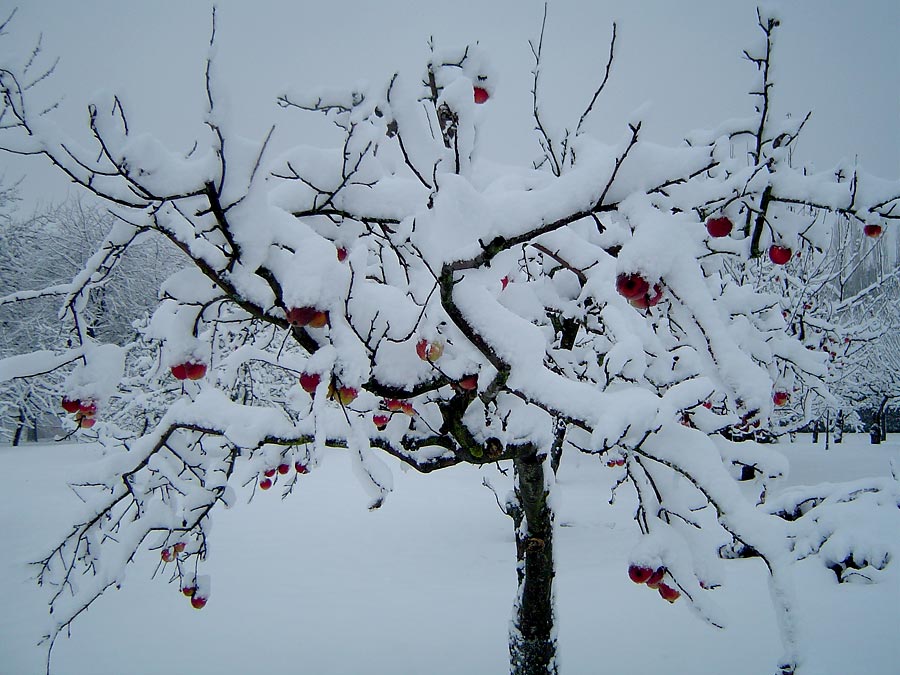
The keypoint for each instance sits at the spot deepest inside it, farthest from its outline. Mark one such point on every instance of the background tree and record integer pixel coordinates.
(397, 295)
(40, 256)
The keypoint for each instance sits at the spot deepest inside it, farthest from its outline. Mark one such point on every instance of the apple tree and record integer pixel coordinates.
(397, 297)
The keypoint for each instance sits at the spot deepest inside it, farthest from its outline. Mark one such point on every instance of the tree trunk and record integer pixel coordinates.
(20, 428)
(839, 428)
(532, 638)
(17, 435)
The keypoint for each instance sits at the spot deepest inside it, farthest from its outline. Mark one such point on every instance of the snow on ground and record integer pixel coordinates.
(317, 584)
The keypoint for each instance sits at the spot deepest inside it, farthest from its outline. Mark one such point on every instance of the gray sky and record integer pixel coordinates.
(680, 62)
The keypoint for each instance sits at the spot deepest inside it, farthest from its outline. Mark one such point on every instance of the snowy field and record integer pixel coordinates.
(317, 584)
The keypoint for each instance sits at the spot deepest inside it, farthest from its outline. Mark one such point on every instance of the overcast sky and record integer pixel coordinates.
(679, 63)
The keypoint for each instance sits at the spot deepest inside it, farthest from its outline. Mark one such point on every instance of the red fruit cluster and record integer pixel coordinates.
(85, 411)
(396, 405)
(641, 574)
(191, 591)
(719, 227)
(307, 316)
(169, 554)
(779, 254)
(615, 462)
(282, 470)
(189, 371)
(636, 289)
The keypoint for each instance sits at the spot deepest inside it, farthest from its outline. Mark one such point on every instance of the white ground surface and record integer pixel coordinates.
(317, 584)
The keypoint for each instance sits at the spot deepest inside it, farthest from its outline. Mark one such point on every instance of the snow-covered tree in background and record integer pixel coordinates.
(399, 295)
(841, 302)
(39, 257)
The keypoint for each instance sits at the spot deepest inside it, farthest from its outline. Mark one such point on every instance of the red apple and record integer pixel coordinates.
(195, 371)
(380, 421)
(668, 593)
(265, 484)
(620, 461)
(719, 227)
(393, 404)
(481, 95)
(318, 320)
(86, 422)
(341, 254)
(780, 398)
(309, 382)
(407, 408)
(198, 601)
(656, 577)
(469, 383)
(167, 555)
(631, 286)
(611, 463)
(873, 231)
(88, 408)
(71, 405)
(429, 351)
(269, 473)
(284, 468)
(646, 301)
(300, 316)
(345, 395)
(504, 282)
(639, 574)
(779, 254)
(300, 467)
(179, 547)
(422, 349)
(189, 591)
(179, 372)
(707, 405)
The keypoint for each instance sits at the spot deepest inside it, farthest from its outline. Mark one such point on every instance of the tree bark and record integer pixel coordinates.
(532, 638)
(882, 417)
(20, 428)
